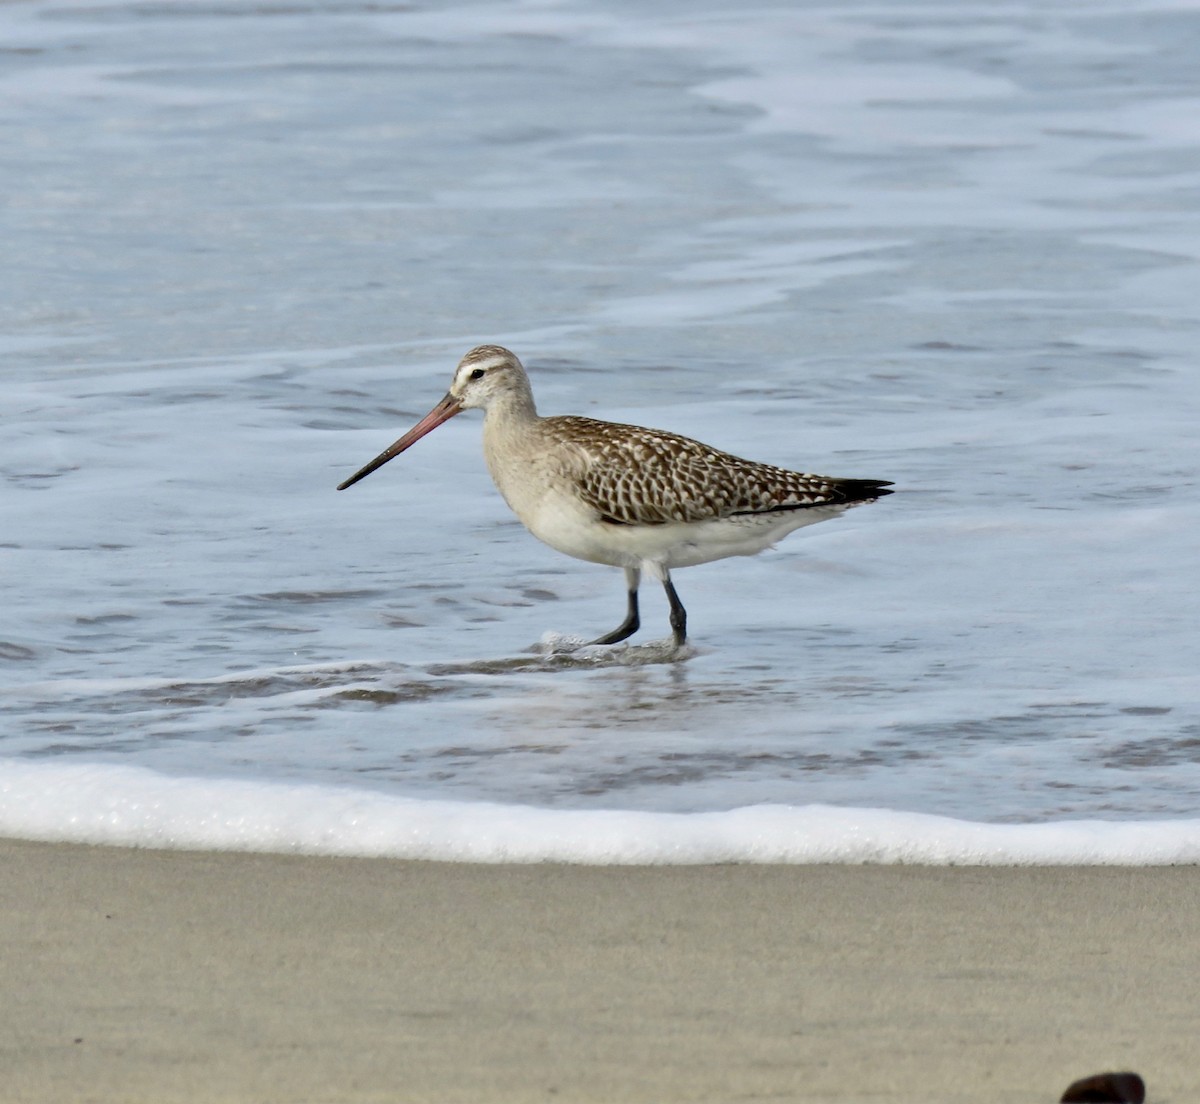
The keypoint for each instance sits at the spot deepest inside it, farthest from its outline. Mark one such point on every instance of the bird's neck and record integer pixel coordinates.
(510, 413)
(509, 439)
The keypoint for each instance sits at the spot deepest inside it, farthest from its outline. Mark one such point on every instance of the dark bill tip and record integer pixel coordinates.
(444, 411)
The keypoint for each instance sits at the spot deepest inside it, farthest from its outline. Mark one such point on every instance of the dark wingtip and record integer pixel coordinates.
(863, 490)
(1106, 1088)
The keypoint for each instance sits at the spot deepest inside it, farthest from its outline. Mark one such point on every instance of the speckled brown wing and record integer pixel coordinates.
(636, 476)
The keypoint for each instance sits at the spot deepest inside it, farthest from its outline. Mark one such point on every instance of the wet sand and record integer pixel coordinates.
(177, 976)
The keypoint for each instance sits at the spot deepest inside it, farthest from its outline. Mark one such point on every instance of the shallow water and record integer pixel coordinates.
(950, 245)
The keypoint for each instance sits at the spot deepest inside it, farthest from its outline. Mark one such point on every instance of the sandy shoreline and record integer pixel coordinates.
(179, 976)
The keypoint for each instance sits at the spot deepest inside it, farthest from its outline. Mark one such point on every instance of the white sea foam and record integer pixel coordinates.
(130, 806)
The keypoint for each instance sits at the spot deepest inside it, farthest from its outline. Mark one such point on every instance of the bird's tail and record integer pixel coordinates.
(861, 490)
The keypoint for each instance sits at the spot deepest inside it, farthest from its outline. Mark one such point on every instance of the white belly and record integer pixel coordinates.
(566, 524)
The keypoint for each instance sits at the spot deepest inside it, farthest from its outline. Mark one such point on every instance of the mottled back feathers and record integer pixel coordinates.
(631, 475)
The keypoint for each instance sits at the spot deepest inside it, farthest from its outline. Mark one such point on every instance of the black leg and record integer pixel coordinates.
(626, 628)
(678, 613)
(632, 622)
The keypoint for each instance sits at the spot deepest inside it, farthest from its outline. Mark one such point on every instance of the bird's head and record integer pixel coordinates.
(487, 373)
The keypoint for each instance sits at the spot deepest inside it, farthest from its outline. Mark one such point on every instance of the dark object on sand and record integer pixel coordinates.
(1106, 1088)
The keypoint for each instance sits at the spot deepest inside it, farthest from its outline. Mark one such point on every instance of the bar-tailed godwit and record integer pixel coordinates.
(636, 498)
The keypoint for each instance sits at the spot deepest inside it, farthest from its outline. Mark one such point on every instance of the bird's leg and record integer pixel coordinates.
(678, 613)
(632, 622)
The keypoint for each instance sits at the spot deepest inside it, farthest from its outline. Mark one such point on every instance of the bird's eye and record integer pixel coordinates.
(477, 374)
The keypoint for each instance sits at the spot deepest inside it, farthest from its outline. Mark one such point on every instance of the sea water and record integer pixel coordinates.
(954, 245)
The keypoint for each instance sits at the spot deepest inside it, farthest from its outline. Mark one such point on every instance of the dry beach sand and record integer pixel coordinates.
(175, 976)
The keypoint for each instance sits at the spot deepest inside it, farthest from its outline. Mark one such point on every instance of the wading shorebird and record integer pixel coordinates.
(636, 498)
